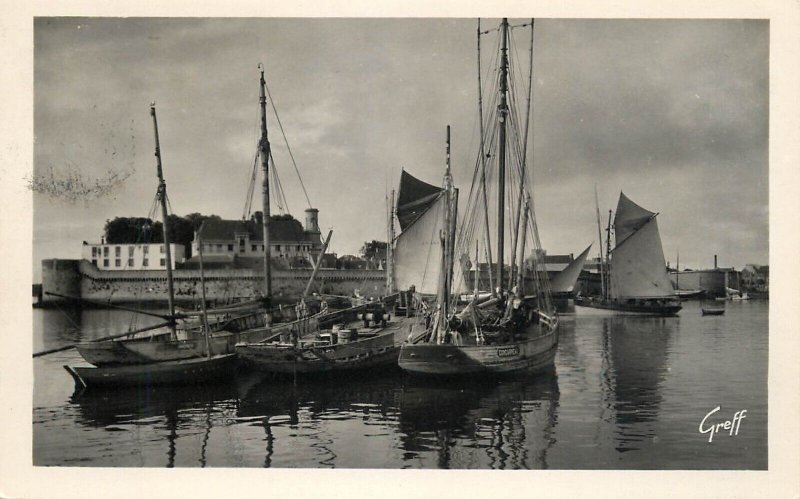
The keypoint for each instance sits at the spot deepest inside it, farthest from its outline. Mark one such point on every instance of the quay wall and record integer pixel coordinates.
(62, 277)
(82, 279)
(712, 281)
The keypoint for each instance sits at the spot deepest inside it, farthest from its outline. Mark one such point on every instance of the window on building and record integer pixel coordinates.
(105, 250)
(254, 248)
(94, 251)
(117, 250)
(230, 247)
(130, 251)
(146, 249)
(145, 262)
(161, 249)
(94, 262)
(117, 262)
(277, 247)
(163, 262)
(130, 262)
(105, 262)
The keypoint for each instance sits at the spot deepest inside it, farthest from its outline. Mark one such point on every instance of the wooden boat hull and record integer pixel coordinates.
(188, 371)
(713, 311)
(535, 354)
(159, 348)
(606, 308)
(381, 348)
(286, 359)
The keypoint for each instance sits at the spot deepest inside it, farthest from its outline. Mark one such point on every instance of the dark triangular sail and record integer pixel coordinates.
(414, 199)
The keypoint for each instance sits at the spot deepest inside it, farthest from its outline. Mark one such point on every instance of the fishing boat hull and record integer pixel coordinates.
(713, 311)
(375, 348)
(187, 371)
(157, 348)
(285, 359)
(611, 307)
(190, 344)
(535, 354)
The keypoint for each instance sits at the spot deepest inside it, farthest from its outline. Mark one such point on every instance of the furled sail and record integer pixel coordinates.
(564, 281)
(417, 251)
(638, 267)
(414, 198)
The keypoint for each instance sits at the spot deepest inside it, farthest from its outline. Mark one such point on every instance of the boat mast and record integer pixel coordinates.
(389, 248)
(206, 328)
(264, 150)
(501, 169)
(162, 198)
(600, 237)
(448, 242)
(522, 198)
(520, 276)
(483, 170)
(608, 258)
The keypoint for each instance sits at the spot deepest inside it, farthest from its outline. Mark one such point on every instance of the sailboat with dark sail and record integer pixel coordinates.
(635, 275)
(516, 328)
(419, 213)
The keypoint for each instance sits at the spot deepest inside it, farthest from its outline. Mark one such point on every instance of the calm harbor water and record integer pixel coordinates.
(625, 393)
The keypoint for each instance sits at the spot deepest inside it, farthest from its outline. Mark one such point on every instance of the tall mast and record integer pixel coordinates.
(608, 258)
(162, 198)
(265, 153)
(501, 170)
(389, 247)
(600, 237)
(448, 222)
(206, 328)
(522, 175)
(520, 277)
(488, 244)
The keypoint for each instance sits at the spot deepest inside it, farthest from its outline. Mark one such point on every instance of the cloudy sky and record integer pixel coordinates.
(674, 113)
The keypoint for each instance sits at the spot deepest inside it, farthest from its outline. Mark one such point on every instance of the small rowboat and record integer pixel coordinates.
(713, 311)
(173, 372)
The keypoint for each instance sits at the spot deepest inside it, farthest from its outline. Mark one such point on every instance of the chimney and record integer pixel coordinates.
(715, 261)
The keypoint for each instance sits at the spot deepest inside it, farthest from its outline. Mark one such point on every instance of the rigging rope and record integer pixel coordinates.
(280, 126)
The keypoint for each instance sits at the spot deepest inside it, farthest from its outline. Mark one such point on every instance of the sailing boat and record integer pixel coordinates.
(513, 330)
(564, 282)
(358, 337)
(636, 278)
(171, 360)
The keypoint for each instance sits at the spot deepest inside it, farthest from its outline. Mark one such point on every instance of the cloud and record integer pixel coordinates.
(674, 112)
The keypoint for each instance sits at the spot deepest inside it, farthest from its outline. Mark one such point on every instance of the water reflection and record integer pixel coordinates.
(621, 396)
(170, 413)
(504, 421)
(635, 361)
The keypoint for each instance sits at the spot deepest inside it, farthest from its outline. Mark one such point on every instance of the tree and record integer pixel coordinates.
(196, 219)
(374, 252)
(129, 230)
(181, 232)
(137, 230)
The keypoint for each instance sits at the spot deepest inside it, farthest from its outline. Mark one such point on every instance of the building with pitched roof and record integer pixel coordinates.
(240, 243)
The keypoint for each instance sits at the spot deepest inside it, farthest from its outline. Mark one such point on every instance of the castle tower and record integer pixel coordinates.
(312, 220)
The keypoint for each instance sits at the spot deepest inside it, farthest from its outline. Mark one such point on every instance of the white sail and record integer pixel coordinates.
(418, 252)
(564, 281)
(638, 267)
